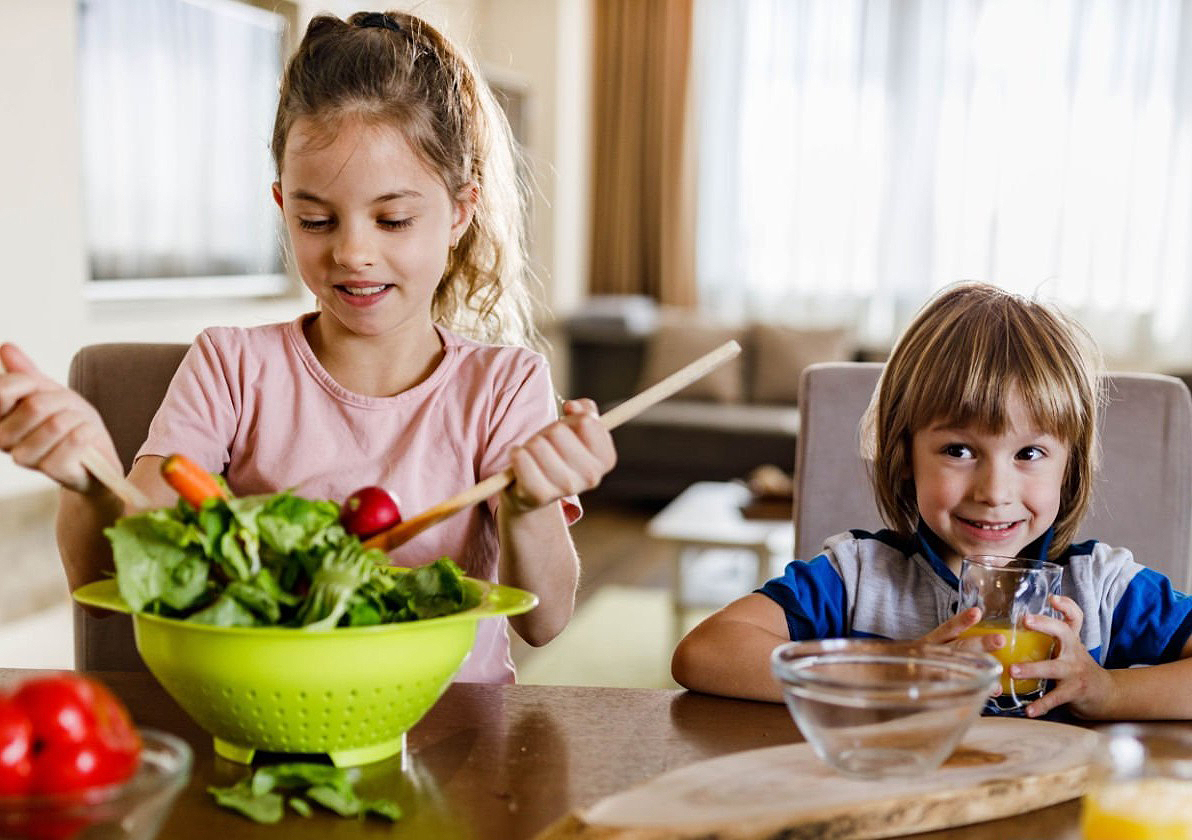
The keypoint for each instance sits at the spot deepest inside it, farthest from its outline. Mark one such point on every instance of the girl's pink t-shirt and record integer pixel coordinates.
(255, 405)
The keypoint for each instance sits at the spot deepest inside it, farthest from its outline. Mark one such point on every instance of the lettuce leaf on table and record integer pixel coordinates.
(260, 795)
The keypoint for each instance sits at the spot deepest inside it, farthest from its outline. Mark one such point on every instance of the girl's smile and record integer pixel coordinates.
(355, 294)
(988, 493)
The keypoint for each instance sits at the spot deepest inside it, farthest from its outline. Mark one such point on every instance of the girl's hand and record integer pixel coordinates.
(46, 426)
(1077, 679)
(569, 456)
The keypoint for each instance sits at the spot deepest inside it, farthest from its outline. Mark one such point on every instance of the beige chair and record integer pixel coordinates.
(1143, 497)
(126, 383)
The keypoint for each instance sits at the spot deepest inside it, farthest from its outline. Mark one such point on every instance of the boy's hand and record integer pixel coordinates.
(1077, 679)
(569, 456)
(46, 426)
(948, 634)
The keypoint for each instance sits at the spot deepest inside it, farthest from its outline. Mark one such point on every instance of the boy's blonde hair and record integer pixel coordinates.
(965, 353)
(396, 69)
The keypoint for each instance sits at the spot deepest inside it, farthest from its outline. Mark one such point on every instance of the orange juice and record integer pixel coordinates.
(1138, 809)
(1021, 646)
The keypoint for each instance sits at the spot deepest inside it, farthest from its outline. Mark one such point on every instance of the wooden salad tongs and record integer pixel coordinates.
(107, 474)
(615, 416)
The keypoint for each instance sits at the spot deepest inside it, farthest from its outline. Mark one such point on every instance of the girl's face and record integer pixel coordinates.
(370, 225)
(985, 493)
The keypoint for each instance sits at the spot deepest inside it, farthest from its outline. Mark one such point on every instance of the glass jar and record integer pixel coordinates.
(1141, 786)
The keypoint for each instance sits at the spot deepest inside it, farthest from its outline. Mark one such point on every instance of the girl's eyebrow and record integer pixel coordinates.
(390, 196)
(306, 195)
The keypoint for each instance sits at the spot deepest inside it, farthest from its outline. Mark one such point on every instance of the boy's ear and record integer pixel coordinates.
(465, 207)
(277, 195)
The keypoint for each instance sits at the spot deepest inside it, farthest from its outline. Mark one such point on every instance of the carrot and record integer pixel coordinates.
(193, 483)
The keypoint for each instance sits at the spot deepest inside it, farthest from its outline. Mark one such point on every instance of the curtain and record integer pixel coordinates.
(177, 100)
(856, 155)
(643, 209)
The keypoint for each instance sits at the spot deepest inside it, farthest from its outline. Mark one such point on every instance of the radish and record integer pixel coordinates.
(368, 511)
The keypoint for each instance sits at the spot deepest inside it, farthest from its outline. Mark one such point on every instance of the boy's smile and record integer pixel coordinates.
(986, 493)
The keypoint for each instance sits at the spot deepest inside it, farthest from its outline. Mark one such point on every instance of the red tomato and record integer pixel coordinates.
(59, 707)
(369, 511)
(63, 767)
(49, 827)
(113, 725)
(16, 749)
(82, 735)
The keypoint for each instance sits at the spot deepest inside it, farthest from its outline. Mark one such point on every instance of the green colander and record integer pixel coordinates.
(349, 692)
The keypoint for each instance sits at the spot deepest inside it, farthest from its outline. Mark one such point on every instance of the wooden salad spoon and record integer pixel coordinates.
(107, 474)
(113, 479)
(615, 416)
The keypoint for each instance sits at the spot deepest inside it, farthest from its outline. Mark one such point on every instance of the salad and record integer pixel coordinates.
(268, 560)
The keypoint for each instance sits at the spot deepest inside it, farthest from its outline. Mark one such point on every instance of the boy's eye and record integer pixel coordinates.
(957, 450)
(1031, 453)
(314, 224)
(395, 224)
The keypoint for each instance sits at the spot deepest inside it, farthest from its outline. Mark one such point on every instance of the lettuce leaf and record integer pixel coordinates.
(275, 559)
(259, 796)
(159, 558)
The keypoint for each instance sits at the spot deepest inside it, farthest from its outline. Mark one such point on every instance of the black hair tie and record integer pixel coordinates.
(378, 20)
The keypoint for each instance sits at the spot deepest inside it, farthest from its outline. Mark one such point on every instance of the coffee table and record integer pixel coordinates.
(707, 515)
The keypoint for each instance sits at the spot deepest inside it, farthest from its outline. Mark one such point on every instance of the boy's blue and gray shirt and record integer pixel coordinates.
(885, 586)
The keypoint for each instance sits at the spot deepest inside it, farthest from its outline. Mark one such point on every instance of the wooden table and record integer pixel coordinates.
(708, 515)
(504, 762)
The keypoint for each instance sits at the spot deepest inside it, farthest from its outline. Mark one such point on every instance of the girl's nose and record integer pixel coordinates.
(994, 484)
(351, 249)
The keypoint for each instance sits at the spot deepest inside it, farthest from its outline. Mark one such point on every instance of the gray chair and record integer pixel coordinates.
(125, 383)
(1142, 500)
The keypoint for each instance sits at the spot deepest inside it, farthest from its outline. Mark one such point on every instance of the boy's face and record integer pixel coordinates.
(370, 225)
(985, 493)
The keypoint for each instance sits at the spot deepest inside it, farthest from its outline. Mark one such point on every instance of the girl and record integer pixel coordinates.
(983, 434)
(396, 180)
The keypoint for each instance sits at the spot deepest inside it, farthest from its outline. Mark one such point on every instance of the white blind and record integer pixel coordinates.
(856, 155)
(177, 105)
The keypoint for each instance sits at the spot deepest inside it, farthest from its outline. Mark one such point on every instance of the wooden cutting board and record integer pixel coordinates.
(1003, 766)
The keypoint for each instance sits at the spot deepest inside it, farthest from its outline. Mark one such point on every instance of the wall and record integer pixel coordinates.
(546, 45)
(543, 42)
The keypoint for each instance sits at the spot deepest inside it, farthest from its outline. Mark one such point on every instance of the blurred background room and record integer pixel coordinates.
(799, 175)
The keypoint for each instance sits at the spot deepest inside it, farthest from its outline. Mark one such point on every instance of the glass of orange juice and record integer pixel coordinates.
(1141, 785)
(1007, 589)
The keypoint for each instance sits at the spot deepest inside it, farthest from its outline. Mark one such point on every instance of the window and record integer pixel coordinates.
(856, 155)
(177, 105)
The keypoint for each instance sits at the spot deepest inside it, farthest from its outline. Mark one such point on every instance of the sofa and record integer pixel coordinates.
(737, 418)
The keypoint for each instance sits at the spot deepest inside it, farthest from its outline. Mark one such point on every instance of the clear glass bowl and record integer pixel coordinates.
(132, 810)
(873, 709)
